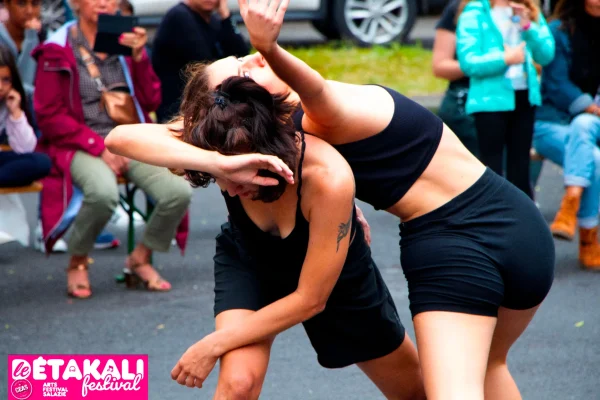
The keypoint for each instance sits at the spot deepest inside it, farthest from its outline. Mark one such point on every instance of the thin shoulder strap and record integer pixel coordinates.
(89, 62)
(300, 166)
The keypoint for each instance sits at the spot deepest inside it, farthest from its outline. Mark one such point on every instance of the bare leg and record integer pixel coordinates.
(242, 370)
(499, 384)
(453, 350)
(398, 374)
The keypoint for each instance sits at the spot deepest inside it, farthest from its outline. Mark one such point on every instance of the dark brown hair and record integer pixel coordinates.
(568, 11)
(239, 117)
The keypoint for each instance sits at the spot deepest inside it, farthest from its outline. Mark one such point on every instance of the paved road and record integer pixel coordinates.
(554, 360)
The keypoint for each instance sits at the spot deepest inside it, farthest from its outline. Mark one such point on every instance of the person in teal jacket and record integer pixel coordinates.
(498, 43)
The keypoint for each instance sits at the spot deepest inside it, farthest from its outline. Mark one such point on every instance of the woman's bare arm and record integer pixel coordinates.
(444, 64)
(319, 100)
(330, 220)
(160, 145)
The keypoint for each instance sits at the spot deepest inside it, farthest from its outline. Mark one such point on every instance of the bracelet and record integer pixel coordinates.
(526, 27)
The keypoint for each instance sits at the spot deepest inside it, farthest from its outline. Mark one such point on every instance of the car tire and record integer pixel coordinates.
(327, 29)
(381, 23)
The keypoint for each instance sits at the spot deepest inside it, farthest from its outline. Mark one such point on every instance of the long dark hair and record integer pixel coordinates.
(8, 60)
(568, 12)
(239, 117)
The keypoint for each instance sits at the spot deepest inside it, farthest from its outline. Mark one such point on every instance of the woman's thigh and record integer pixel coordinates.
(453, 351)
(159, 183)
(93, 176)
(398, 374)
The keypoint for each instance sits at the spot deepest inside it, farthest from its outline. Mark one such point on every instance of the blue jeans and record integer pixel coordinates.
(575, 147)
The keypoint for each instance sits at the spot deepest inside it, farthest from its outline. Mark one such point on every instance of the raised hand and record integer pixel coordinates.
(263, 21)
(13, 103)
(514, 55)
(136, 40)
(243, 169)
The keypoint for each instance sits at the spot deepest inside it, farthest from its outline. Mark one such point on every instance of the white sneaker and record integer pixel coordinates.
(38, 243)
(120, 219)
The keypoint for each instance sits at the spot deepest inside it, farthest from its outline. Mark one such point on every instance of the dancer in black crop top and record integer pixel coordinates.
(476, 252)
(290, 254)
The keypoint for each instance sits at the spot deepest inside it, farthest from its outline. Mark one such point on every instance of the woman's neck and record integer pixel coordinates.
(16, 33)
(88, 30)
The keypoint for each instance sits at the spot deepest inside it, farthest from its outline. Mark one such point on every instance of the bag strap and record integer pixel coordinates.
(89, 62)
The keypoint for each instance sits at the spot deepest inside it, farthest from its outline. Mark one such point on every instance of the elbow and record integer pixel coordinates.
(115, 140)
(438, 71)
(311, 305)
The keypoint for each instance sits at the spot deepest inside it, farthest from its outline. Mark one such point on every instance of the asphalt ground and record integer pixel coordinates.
(558, 357)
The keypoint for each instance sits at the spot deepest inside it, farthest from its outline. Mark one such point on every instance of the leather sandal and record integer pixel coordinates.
(133, 280)
(78, 290)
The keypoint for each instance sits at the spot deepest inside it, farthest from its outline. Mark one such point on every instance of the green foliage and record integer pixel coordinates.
(404, 68)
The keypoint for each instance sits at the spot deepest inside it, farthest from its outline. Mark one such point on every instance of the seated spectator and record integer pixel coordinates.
(445, 65)
(21, 33)
(20, 166)
(71, 105)
(567, 128)
(192, 31)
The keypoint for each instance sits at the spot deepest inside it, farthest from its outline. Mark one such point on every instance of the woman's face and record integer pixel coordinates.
(21, 11)
(5, 82)
(592, 7)
(253, 66)
(90, 9)
(234, 189)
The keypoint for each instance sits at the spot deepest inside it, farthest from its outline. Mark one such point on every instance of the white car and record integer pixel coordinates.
(367, 22)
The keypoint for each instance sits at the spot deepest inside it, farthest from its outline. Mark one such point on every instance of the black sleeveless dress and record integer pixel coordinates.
(254, 268)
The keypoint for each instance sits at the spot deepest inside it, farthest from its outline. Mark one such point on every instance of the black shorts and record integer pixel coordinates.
(359, 323)
(488, 247)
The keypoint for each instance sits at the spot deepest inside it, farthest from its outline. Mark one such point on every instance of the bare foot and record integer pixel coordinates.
(140, 266)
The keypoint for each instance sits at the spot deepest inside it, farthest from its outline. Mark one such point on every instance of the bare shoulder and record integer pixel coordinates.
(326, 175)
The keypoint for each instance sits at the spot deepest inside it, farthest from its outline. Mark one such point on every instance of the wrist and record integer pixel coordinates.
(214, 345)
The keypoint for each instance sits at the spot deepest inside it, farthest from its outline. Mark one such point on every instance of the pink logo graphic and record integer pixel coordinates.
(78, 377)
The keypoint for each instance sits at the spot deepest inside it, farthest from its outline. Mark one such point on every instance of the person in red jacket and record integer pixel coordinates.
(74, 123)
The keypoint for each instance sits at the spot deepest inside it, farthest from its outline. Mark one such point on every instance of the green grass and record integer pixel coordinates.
(404, 68)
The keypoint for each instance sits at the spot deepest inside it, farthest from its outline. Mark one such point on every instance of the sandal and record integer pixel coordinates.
(133, 280)
(78, 290)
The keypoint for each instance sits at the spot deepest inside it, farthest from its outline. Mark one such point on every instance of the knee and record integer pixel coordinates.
(43, 163)
(176, 196)
(239, 386)
(586, 125)
(103, 198)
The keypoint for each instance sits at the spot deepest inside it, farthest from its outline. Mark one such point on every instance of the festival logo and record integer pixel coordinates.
(77, 377)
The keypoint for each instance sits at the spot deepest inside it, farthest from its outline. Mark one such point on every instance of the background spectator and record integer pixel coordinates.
(445, 65)
(567, 128)
(497, 51)
(21, 166)
(21, 33)
(68, 105)
(192, 31)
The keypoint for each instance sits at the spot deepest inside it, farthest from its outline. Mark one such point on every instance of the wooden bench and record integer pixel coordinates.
(33, 188)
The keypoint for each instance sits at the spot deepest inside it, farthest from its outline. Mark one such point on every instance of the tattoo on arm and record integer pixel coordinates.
(343, 230)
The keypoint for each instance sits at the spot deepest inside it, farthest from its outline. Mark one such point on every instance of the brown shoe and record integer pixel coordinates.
(78, 285)
(565, 222)
(589, 249)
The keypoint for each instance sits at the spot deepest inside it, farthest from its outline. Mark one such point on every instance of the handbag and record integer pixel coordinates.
(119, 105)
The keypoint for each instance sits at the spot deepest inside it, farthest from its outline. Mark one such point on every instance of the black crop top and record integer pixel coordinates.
(387, 164)
(283, 253)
